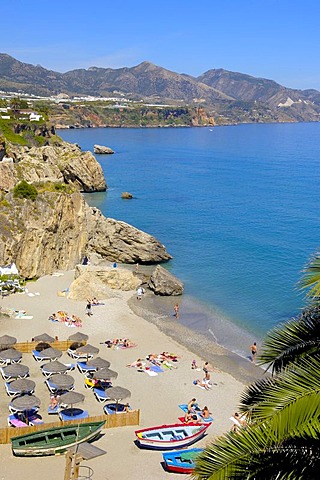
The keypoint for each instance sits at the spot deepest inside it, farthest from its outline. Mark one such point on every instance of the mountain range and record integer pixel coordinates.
(226, 93)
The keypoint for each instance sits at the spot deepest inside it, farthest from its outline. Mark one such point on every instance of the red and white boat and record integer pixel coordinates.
(169, 437)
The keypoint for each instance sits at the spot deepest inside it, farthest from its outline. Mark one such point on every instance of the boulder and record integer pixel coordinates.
(126, 195)
(101, 150)
(57, 229)
(91, 281)
(163, 282)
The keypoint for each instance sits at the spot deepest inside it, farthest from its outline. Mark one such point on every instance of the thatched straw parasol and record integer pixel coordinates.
(22, 385)
(15, 370)
(63, 382)
(50, 353)
(78, 337)
(54, 367)
(98, 363)
(44, 337)
(117, 394)
(7, 341)
(25, 402)
(10, 355)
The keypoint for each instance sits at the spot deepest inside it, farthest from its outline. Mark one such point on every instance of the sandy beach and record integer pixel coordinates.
(158, 397)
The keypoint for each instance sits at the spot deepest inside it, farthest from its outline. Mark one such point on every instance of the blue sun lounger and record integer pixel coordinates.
(101, 395)
(73, 414)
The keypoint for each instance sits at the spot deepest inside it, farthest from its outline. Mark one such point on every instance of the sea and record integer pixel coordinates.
(236, 207)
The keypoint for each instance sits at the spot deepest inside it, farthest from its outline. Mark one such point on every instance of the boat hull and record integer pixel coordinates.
(170, 437)
(181, 461)
(55, 440)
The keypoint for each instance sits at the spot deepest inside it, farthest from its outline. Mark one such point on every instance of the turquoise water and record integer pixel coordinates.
(235, 206)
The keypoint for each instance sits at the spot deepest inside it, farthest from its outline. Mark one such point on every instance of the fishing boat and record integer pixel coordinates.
(181, 461)
(169, 437)
(55, 440)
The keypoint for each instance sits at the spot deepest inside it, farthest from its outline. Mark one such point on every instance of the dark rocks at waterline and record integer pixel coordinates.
(163, 282)
(102, 150)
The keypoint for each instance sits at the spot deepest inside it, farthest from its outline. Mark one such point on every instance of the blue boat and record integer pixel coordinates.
(181, 461)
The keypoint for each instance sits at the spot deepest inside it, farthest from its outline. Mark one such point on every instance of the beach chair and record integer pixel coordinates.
(83, 367)
(53, 411)
(35, 420)
(78, 356)
(101, 395)
(73, 414)
(112, 408)
(9, 377)
(14, 421)
(54, 388)
(11, 393)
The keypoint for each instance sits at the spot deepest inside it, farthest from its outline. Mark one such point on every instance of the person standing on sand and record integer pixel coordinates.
(176, 310)
(253, 351)
(139, 294)
(89, 308)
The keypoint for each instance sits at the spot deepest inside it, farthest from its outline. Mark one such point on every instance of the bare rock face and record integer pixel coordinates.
(119, 241)
(163, 282)
(56, 230)
(101, 150)
(100, 282)
(63, 163)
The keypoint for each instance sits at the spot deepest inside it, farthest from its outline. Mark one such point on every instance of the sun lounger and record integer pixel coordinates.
(35, 419)
(14, 421)
(53, 411)
(9, 377)
(10, 392)
(54, 388)
(73, 414)
(77, 356)
(38, 358)
(83, 367)
(101, 395)
(112, 408)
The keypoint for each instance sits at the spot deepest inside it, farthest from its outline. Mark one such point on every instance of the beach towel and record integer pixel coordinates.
(156, 368)
(151, 373)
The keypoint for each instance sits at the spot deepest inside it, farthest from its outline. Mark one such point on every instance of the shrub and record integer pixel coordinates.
(25, 190)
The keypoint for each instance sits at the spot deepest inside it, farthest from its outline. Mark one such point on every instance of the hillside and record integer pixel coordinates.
(229, 97)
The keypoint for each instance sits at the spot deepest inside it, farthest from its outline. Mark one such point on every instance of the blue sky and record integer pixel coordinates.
(276, 39)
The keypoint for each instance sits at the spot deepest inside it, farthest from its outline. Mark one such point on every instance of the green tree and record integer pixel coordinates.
(282, 438)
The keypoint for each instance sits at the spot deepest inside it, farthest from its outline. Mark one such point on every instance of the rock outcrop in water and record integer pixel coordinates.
(163, 282)
(57, 229)
(101, 150)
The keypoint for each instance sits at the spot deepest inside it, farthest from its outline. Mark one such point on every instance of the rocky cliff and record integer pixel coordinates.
(57, 229)
(64, 163)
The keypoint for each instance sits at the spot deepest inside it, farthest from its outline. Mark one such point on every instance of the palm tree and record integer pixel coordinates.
(282, 438)
(311, 278)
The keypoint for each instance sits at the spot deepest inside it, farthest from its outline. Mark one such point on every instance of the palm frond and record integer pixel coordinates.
(311, 278)
(292, 340)
(271, 395)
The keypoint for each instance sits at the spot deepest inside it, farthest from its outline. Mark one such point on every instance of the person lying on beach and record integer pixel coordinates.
(238, 422)
(53, 318)
(190, 416)
(139, 364)
(200, 384)
(53, 402)
(205, 412)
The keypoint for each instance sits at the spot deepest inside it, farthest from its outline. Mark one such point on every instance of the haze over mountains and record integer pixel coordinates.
(217, 89)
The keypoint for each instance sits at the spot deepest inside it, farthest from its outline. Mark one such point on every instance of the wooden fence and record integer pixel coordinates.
(27, 347)
(112, 421)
